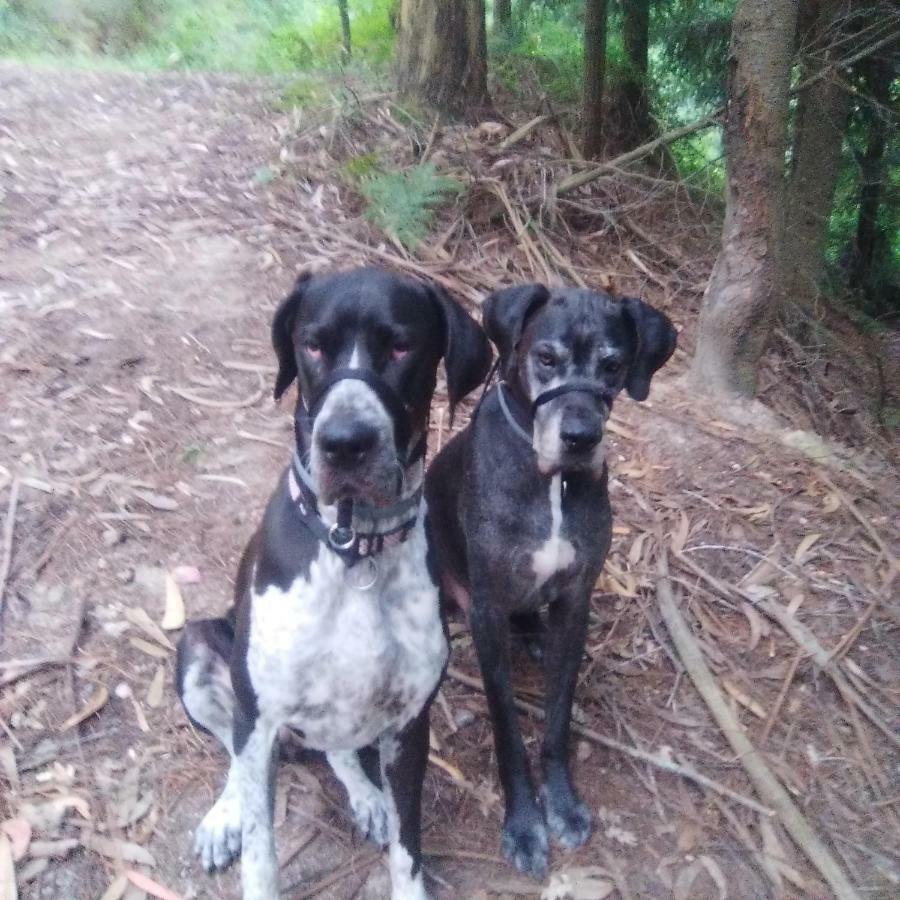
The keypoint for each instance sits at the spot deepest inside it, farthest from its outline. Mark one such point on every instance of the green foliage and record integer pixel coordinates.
(357, 169)
(402, 204)
(227, 35)
(302, 92)
(546, 44)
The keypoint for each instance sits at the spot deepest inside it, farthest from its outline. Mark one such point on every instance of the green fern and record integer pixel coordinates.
(402, 204)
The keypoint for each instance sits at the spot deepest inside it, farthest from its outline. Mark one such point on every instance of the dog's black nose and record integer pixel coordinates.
(580, 436)
(346, 443)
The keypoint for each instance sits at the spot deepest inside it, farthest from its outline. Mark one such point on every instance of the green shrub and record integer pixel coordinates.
(402, 204)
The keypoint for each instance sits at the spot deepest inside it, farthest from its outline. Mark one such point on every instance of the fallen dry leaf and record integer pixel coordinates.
(804, 546)
(680, 534)
(743, 698)
(186, 574)
(53, 849)
(8, 765)
(96, 702)
(157, 685)
(8, 890)
(153, 888)
(150, 649)
(160, 502)
(587, 883)
(116, 889)
(143, 724)
(174, 616)
(139, 618)
(127, 851)
(19, 833)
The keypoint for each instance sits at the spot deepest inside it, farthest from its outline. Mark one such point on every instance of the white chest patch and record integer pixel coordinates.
(344, 665)
(556, 554)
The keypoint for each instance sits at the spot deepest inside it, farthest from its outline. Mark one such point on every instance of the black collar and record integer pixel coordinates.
(386, 526)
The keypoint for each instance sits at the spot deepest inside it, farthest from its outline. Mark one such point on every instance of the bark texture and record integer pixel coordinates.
(345, 27)
(442, 55)
(879, 73)
(820, 121)
(632, 108)
(743, 290)
(594, 76)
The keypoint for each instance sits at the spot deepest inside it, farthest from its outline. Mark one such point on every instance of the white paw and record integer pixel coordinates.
(370, 813)
(218, 838)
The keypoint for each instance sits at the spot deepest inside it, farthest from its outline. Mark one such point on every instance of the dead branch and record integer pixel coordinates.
(765, 782)
(8, 528)
(522, 132)
(579, 179)
(659, 760)
(803, 637)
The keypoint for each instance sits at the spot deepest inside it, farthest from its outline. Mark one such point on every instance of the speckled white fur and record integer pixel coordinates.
(366, 801)
(556, 554)
(344, 667)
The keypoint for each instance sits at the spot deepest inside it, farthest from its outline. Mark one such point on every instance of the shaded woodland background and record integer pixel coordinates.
(167, 167)
(615, 74)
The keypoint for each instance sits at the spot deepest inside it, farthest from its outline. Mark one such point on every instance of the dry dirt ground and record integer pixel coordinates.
(142, 250)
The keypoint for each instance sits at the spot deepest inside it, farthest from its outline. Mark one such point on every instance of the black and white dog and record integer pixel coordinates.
(520, 515)
(336, 631)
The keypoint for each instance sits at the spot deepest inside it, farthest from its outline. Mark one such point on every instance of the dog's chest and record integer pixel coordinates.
(556, 553)
(343, 665)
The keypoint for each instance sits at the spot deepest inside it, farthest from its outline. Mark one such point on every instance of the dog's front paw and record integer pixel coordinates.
(525, 843)
(568, 818)
(370, 813)
(218, 838)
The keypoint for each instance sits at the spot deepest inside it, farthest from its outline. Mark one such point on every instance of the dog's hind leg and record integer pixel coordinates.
(366, 800)
(203, 680)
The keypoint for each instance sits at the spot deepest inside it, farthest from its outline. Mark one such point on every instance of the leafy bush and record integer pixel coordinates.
(226, 35)
(402, 204)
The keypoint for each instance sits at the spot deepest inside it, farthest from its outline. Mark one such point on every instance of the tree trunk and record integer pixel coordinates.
(741, 296)
(594, 73)
(632, 104)
(502, 13)
(345, 27)
(820, 121)
(879, 75)
(442, 55)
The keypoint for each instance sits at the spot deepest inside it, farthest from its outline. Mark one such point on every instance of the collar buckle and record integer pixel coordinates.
(341, 537)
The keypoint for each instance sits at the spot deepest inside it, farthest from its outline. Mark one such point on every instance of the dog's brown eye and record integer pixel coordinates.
(546, 358)
(612, 366)
(313, 348)
(400, 350)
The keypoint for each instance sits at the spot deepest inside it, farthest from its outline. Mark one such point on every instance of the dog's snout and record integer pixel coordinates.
(346, 443)
(580, 435)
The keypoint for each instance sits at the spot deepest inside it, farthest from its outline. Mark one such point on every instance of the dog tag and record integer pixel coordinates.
(364, 575)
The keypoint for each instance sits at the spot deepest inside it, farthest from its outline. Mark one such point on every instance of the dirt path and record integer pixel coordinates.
(139, 265)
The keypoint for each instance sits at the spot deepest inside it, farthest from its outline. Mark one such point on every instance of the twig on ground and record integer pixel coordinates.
(660, 760)
(8, 529)
(779, 700)
(876, 537)
(767, 785)
(802, 636)
(354, 864)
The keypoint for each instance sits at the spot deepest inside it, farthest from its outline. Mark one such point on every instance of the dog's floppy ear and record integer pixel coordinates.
(467, 353)
(282, 334)
(656, 339)
(505, 313)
